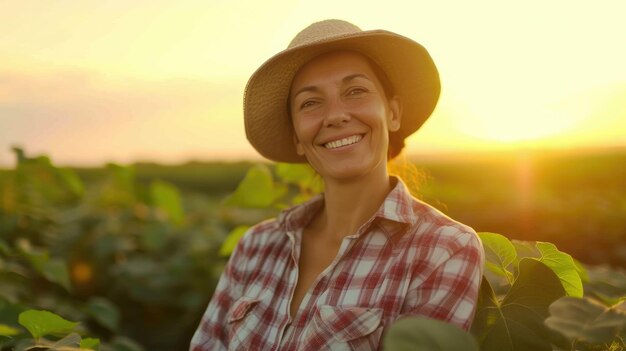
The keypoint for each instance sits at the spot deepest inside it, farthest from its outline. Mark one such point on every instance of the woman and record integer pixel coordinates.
(332, 273)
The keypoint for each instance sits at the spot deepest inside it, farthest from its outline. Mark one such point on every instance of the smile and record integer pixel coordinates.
(353, 139)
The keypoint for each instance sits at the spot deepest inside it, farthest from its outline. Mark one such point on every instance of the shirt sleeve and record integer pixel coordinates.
(212, 334)
(450, 292)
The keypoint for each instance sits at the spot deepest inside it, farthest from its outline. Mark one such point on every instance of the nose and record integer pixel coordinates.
(336, 115)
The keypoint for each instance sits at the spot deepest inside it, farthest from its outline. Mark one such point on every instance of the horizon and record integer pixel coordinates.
(435, 157)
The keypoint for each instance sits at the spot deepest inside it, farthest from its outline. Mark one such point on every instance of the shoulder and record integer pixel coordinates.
(289, 220)
(433, 228)
(261, 234)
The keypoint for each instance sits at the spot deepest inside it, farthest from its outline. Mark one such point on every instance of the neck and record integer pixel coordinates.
(349, 203)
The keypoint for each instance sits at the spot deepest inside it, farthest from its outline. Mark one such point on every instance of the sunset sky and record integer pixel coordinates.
(89, 81)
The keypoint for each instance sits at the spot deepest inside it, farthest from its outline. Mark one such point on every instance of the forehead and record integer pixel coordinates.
(330, 66)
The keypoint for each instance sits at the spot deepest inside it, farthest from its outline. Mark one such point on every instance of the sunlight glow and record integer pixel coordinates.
(94, 80)
(521, 124)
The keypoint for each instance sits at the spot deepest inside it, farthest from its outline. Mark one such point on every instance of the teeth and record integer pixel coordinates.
(343, 142)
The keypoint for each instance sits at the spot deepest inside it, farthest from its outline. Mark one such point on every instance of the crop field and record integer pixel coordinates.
(127, 256)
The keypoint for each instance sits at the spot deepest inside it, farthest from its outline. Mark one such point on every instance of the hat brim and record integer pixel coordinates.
(408, 66)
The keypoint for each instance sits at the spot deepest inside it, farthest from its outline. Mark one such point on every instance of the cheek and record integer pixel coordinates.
(305, 127)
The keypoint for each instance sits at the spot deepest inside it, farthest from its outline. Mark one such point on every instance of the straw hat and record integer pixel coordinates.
(408, 66)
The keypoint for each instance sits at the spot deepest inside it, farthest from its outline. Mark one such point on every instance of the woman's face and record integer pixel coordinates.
(341, 116)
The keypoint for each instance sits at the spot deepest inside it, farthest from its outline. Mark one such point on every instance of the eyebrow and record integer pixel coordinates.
(314, 88)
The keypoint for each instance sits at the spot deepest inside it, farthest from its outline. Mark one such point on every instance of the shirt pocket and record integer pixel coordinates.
(345, 328)
(241, 307)
(242, 322)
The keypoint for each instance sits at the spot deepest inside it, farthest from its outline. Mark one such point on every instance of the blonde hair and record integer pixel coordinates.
(410, 174)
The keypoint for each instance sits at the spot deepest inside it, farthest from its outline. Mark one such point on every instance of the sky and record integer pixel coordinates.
(88, 82)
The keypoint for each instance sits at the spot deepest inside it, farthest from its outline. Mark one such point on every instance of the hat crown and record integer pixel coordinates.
(323, 30)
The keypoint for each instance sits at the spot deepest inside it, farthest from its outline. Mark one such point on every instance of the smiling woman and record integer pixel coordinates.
(335, 272)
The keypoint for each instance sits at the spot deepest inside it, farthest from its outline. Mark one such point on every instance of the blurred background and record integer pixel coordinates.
(122, 143)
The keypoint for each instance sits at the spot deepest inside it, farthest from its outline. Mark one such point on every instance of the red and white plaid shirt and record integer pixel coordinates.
(408, 259)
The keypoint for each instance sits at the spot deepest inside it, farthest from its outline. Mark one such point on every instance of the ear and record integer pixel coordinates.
(394, 118)
(296, 142)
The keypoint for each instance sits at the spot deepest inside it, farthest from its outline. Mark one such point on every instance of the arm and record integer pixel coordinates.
(451, 290)
(212, 334)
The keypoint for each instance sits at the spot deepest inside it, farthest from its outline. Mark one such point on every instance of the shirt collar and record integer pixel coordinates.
(397, 208)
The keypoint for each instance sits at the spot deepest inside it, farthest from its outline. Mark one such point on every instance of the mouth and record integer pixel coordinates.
(353, 139)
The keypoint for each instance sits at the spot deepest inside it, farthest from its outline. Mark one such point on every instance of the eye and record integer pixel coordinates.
(356, 91)
(308, 103)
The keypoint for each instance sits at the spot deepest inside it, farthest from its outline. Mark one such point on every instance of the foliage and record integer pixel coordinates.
(587, 321)
(419, 333)
(515, 322)
(124, 262)
(295, 184)
(41, 323)
(110, 256)
(531, 311)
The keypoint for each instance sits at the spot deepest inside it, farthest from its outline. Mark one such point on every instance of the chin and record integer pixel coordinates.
(349, 170)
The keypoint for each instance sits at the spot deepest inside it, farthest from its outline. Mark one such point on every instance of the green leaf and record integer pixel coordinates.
(71, 180)
(7, 330)
(232, 239)
(90, 343)
(525, 249)
(301, 174)
(516, 322)
(563, 265)
(499, 253)
(585, 320)
(582, 271)
(104, 312)
(257, 189)
(55, 270)
(420, 333)
(295, 173)
(40, 323)
(166, 197)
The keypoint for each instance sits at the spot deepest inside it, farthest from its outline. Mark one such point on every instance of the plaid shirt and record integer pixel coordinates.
(408, 259)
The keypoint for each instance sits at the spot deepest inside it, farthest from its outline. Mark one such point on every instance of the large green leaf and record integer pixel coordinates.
(516, 322)
(525, 249)
(585, 320)
(563, 265)
(166, 197)
(257, 189)
(40, 323)
(420, 333)
(499, 254)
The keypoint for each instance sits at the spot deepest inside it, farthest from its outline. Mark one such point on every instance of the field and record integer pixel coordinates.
(132, 252)
(576, 200)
